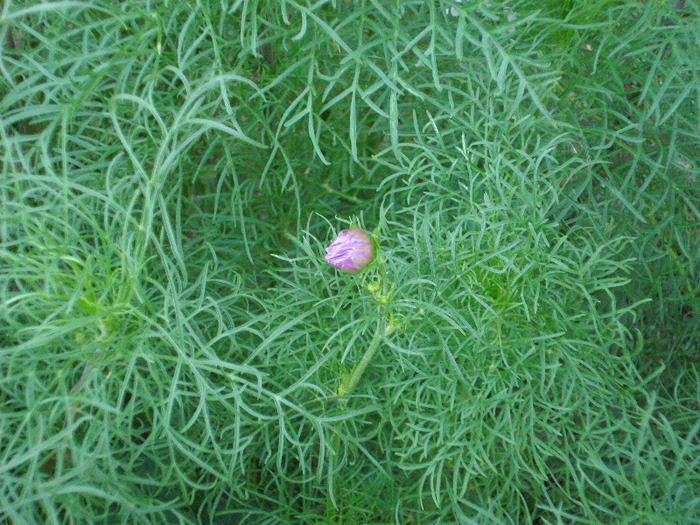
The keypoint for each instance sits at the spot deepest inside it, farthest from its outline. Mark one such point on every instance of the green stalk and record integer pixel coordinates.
(347, 387)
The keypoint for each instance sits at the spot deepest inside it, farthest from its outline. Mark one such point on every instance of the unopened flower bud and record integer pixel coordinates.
(351, 251)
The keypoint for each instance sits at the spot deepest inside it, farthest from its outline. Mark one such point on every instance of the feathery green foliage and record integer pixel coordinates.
(172, 343)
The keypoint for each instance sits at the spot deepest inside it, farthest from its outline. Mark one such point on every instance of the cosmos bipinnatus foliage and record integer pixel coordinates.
(516, 342)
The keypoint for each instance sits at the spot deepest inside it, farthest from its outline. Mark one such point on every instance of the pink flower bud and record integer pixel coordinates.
(351, 251)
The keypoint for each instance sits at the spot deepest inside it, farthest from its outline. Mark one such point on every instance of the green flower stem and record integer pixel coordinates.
(382, 271)
(347, 387)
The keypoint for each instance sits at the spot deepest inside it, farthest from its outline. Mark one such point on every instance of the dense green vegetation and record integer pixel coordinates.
(172, 342)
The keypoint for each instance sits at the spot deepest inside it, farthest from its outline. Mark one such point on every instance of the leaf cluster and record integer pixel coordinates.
(172, 342)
